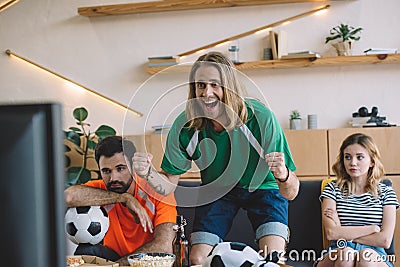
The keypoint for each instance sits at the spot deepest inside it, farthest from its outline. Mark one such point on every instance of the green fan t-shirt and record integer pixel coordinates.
(229, 157)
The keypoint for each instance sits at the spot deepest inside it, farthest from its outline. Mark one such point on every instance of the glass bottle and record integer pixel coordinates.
(180, 243)
(234, 53)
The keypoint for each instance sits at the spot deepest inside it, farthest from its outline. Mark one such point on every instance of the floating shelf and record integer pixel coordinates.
(175, 5)
(295, 63)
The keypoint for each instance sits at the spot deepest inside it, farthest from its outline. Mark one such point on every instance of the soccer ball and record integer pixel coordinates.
(233, 254)
(87, 224)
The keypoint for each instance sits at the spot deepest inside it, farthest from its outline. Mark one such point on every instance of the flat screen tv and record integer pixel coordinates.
(31, 191)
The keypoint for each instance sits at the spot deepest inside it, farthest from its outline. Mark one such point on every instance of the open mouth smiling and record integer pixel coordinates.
(211, 103)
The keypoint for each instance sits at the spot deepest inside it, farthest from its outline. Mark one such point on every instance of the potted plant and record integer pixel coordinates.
(295, 120)
(346, 35)
(80, 142)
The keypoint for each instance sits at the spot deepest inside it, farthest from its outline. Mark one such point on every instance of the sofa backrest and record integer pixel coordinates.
(304, 219)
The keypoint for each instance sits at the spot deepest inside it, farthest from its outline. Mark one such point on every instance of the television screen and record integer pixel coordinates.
(31, 192)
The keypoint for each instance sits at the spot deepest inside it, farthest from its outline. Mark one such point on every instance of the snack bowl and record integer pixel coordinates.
(155, 259)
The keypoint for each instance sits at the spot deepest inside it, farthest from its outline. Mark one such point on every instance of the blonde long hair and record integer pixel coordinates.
(233, 92)
(375, 173)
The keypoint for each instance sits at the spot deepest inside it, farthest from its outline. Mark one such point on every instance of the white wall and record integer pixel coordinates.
(108, 55)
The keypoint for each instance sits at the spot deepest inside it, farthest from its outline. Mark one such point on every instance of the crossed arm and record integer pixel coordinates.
(372, 235)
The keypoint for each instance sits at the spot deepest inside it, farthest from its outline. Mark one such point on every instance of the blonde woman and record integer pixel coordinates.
(358, 212)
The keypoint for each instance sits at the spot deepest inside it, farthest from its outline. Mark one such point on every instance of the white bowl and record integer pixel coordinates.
(156, 259)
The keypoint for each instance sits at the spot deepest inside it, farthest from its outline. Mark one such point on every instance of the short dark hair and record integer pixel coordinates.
(114, 144)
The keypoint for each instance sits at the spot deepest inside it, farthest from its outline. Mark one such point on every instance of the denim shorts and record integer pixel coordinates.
(267, 211)
(358, 247)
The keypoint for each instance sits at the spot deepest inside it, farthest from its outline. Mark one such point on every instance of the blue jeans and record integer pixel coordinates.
(267, 211)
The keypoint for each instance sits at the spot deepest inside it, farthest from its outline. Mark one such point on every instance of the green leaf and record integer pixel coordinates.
(67, 161)
(343, 31)
(75, 129)
(103, 131)
(80, 114)
(74, 138)
(91, 144)
(77, 175)
(67, 148)
(331, 38)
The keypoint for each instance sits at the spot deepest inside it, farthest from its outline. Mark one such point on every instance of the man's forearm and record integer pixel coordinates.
(79, 195)
(161, 182)
(162, 242)
(290, 188)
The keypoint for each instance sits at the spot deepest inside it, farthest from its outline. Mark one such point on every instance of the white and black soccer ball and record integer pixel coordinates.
(88, 224)
(233, 254)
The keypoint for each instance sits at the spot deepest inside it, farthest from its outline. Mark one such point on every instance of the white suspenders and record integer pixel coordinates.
(246, 131)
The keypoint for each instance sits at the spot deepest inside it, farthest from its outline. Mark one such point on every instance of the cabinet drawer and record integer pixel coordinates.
(387, 140)
(310, 151)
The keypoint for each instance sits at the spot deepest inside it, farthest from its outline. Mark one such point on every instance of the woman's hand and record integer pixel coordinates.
(333, 215)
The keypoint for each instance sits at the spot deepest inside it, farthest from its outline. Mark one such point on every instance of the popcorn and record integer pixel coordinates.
(151, 260)
(74, 261)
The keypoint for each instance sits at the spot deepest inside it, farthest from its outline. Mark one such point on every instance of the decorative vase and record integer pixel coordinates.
(295, 124)
(343, 48)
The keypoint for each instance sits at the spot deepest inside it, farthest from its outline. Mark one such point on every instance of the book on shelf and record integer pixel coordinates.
(160, 129)
(163, 59)
(379, 121)
(302, 54)
(282, 44)
(162, 64)
(273, 37)
(278, 43)
(377, 51)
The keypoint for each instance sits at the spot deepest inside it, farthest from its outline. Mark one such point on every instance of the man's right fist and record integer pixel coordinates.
(141, 163)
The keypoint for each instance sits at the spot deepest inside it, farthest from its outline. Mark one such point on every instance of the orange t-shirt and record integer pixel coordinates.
(124, 235)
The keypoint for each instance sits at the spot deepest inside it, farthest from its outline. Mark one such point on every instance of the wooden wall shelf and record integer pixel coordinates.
(295, 63)
(175, 5)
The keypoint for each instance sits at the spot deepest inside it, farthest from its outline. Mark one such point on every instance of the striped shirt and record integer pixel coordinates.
(359, 210)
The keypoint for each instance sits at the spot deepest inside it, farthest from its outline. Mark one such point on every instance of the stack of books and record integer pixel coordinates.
(267, 54)
(163, 61)
(302, 54)
(378, 51)
(360, 121)
(369, 121)
(160, 129)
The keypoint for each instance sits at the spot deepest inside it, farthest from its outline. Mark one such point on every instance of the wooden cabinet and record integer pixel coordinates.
(310, 152)
(387, 140)
(315, 151)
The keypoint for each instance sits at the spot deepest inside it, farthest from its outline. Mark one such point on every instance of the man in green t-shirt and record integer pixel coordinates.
(242, 154)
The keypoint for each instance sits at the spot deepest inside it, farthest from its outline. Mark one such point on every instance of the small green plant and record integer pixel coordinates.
(345, 32)
(83, 142)
(295, 115)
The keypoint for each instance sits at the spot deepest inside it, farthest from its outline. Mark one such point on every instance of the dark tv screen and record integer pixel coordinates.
(31, 192)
